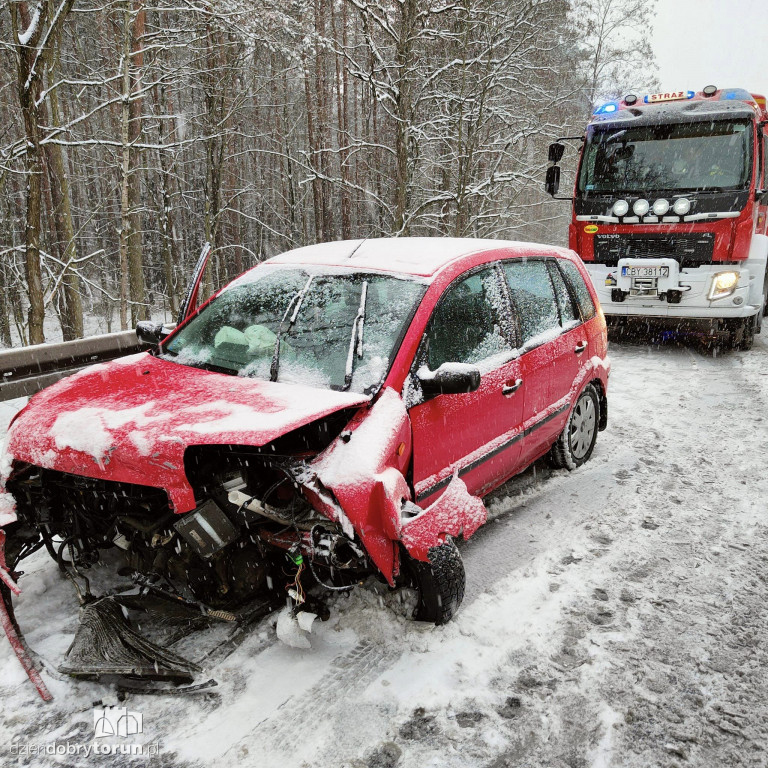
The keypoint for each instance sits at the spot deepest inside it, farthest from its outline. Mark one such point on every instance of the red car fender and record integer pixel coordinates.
(363, 468)
(455, 513)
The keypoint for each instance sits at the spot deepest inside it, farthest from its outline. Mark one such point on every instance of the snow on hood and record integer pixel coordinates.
(131, 420)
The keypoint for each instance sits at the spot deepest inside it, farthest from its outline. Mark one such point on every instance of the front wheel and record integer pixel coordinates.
(742, 333)
(577, 440)
(748, 333)
(440, 583)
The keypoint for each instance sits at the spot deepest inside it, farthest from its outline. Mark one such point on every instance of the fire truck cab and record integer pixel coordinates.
(670, 209)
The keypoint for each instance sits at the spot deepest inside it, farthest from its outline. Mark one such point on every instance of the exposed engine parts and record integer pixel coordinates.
(251, 521)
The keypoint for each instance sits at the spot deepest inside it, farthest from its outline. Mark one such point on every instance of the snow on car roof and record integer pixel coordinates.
(422, 256)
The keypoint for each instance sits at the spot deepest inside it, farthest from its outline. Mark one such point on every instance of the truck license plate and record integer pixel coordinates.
(645, 271)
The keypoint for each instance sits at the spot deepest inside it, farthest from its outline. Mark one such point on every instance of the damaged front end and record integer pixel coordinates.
(314, 511)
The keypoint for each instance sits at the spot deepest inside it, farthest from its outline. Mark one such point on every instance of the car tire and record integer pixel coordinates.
(440, 583)
(576, 442)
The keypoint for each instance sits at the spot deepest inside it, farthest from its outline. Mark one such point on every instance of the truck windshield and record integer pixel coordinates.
(711, 156)
(316, 314)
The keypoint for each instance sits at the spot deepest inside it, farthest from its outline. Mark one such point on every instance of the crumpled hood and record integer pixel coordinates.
(132, 419)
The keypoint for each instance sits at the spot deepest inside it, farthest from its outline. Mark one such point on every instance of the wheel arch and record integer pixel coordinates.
(602, 401)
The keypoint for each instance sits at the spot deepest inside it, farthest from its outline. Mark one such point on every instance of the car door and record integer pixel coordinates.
(539, 317)
(571, 348)
(476, 433)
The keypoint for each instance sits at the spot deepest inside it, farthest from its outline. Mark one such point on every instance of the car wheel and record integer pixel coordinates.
(440, 583)
(577, 440)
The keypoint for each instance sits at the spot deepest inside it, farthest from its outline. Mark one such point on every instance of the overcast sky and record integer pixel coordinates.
(722, 42)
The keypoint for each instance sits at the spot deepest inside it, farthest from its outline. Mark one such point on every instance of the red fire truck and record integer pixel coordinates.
(670, 209)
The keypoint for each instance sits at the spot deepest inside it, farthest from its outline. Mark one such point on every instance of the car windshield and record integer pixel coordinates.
(336, 330)
(712, 156)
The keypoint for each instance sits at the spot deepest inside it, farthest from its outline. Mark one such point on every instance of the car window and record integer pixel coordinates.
(579, 288)
(568, 312)
(467, 325)
(533, 297)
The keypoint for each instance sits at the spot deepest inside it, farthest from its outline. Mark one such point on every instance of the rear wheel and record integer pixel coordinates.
(440, 583)
(577, 441)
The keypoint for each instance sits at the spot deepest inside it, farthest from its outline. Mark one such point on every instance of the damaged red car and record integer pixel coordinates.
(337, 412)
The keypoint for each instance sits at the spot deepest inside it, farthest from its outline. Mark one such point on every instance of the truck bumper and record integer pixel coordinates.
(680, 294)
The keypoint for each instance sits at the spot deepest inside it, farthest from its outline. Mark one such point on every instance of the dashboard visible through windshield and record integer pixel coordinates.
(336, 330)
(708, 156)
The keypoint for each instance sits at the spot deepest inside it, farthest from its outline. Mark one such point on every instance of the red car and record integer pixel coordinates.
(337, 411)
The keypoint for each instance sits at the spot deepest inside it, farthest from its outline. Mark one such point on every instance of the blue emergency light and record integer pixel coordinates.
(607, 109)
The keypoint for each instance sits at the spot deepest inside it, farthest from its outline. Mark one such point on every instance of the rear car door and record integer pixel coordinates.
(545, 364)
(477, 433)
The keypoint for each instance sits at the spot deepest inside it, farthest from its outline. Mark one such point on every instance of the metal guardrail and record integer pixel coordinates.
(26, 370)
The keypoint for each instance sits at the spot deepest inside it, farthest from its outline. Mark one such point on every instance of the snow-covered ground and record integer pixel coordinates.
(615, 616)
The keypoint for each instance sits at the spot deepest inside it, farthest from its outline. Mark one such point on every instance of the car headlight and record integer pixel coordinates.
(723, 284)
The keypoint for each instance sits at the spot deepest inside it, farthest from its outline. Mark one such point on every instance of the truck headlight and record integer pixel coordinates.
(723, 284)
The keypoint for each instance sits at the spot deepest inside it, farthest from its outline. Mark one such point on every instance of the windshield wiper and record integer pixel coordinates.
(295, 304)
(356, 342)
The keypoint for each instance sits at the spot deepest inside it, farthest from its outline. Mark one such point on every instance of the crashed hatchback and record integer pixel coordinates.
(337, 412)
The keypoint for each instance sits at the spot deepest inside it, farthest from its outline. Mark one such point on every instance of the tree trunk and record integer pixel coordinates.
(71, 312)
(404, 59)
(139, 308)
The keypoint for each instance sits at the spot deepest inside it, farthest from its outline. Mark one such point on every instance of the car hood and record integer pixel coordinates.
(132, 419)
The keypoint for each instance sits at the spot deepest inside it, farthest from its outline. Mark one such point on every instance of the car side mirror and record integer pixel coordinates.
(552, 184)
(150, 333)
(449, 379)
(556, 151)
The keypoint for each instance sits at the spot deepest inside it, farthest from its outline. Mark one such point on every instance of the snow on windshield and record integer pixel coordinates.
(284, 326)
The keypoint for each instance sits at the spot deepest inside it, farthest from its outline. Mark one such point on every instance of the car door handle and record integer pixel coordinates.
(510, 389)
(579, 348)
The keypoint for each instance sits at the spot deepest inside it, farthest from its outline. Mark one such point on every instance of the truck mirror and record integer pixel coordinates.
(552, 183)
(556, 152)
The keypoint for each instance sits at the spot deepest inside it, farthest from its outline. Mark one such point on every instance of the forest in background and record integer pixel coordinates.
(134, 131)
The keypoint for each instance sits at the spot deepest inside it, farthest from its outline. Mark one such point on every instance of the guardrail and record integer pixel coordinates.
(26, 370)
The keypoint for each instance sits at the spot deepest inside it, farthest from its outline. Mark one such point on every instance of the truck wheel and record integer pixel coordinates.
(577, 440)
(748, 333)
(765, 295)
(440, 583)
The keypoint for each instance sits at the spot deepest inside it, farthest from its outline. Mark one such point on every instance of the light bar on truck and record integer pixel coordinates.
(655, 98)
(736, 94)
(607, 109)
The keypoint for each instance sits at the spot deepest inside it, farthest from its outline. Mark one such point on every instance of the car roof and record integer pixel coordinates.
(422, 256)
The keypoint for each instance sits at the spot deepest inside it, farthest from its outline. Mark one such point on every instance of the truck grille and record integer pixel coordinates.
(687, 250)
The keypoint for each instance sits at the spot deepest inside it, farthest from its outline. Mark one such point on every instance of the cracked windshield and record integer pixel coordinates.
(337, 331)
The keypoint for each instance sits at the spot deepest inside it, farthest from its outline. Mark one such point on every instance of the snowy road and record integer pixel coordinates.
(615, 616)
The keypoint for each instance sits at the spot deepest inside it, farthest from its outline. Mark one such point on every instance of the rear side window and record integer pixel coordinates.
(533, 296)
(579, 289)
(568, 312)
(467, 325)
